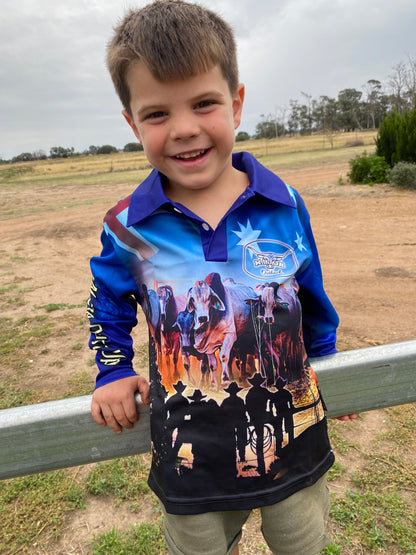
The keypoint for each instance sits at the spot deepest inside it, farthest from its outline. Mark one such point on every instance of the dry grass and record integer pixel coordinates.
(47, 171)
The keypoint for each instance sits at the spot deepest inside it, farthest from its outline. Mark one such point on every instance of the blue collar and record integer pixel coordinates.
(150, 196)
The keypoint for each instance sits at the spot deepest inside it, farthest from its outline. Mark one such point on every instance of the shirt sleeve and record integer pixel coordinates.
(112, 309)
(319, 317)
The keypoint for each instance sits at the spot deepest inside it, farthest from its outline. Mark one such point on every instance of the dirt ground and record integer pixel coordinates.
(366, 237)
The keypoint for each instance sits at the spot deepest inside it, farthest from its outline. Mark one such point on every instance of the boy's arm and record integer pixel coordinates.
(111, 310)
(319, 318)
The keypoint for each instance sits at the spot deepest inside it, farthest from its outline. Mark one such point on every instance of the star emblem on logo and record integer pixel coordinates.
(247, 234)
(299, 243)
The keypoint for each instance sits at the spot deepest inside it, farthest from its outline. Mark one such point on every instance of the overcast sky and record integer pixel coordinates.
(55, 90)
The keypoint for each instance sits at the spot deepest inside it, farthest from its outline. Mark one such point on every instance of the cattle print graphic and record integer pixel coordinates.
(233, 381)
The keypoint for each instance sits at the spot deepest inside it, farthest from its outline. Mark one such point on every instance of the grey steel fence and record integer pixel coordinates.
(60, 434)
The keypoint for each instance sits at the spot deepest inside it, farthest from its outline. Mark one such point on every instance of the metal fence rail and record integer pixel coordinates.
(60, 434)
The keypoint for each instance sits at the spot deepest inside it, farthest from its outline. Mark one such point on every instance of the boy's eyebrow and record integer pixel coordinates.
(214, 92)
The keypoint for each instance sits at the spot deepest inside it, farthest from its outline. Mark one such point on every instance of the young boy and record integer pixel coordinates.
(220, 255)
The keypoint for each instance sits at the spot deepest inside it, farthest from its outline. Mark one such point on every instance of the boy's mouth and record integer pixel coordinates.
(191, 155)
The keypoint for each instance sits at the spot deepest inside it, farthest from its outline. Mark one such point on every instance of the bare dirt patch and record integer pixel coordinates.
(100, 515)
(367, 242)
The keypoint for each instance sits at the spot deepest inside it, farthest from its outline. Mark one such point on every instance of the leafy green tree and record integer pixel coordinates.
(305, 121)
(23, 157)
(269, 127)
(293, 120)
(373, 105)
(133, 147)
(242, 136)
(39, 155)
(349, 109)
(29, 156)
(305, 115)
(325, 114)
(106, 149)
(61, 152)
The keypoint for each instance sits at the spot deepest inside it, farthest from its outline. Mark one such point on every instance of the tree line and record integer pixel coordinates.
(352, 109)
(62, 152)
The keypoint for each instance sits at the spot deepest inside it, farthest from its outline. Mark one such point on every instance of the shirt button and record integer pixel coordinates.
(205, 226)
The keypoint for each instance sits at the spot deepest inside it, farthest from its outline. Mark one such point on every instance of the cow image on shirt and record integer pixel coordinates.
(234, 383)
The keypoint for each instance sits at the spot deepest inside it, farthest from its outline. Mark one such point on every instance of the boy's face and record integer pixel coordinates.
(186, 126)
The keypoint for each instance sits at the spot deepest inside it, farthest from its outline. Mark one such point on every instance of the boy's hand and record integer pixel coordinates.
(346, 417)
(114, 403)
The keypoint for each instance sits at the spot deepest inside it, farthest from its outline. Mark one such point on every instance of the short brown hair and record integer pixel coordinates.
(175, 39)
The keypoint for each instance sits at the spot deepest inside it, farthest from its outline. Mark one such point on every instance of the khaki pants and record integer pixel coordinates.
(296, 525)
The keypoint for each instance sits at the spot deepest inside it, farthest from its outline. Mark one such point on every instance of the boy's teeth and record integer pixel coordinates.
(190, 155)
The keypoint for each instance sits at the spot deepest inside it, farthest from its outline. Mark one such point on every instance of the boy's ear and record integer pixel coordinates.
(238, 101)
(132, 125)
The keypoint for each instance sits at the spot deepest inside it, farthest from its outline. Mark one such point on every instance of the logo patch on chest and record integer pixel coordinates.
(266, 258)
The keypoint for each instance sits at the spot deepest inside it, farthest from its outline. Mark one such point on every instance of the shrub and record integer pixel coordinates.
(403, 174)
(106, 149)
(242, 136)
(133, 147)
(396, 140)
(368, 169)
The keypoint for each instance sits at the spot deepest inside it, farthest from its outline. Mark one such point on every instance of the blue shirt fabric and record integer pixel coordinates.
(233, 312)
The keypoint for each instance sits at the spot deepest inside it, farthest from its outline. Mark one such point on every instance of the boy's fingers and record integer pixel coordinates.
(346, 417)
(144, 389)
(110, 418)
(130, 415)
(97, 414)
(120, 415)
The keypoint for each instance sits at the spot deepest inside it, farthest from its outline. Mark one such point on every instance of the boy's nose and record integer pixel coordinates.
(183, 127)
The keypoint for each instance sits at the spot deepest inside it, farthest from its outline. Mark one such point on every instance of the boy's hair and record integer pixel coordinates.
(175, 39)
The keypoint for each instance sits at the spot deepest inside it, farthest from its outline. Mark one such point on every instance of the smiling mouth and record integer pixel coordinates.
(191, 155)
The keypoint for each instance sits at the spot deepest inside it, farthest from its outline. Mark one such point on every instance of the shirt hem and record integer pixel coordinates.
(242, 502)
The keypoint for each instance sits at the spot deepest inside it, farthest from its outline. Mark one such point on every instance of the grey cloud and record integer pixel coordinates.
(56, 90)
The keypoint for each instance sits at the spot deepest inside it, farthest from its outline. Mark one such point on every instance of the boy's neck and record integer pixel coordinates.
(209, 204)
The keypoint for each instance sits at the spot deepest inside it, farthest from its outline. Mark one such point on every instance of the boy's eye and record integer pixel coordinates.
(155, 115)
(204, 104)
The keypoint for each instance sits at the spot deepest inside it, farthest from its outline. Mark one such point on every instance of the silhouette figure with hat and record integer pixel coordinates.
(177, 409)
(234, 418)
(282, 402)
(256, 404)
(197, 432)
